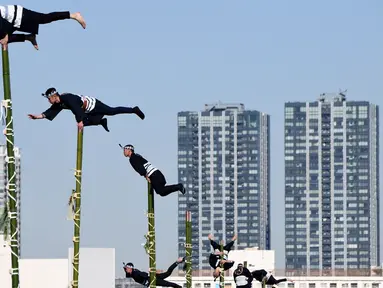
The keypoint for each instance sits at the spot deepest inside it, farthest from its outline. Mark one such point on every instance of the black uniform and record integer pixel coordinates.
(144, 279)
(242, 277)
(17, 18)
(215, 259)
(226, 248)
(157, 179)
(87, 109)
(259, 274)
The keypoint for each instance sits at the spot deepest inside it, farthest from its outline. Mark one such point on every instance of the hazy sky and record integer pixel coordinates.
(169, 56)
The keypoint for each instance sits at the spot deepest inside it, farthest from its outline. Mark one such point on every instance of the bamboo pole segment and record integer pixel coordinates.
(76, 197)
(188, 250)
(151, 238)
(11, 173)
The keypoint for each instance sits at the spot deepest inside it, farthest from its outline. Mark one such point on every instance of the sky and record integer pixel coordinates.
(166, 57)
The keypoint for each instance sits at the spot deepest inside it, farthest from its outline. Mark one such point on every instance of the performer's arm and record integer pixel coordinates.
(52, 112)
(248, 274)
(49, 114)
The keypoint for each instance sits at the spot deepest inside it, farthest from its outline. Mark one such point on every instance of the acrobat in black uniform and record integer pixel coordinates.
(17, 18)
(264, 276)
(151, 173)
(242, 277)
(215, 260)
(87, 110)
(144, 279)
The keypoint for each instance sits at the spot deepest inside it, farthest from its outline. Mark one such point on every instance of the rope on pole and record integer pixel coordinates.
(151, 238)
(76, 198)
(188, 250)
(222, 275)
(12, 199)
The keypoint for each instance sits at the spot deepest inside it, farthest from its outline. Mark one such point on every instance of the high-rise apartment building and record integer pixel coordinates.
(224, 161)
(331, 185)
(4, 180)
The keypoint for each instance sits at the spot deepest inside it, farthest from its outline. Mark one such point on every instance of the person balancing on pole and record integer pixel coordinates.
(143, 277)
(215, 260)
(17, 18)
(151, 173)
(88, 111)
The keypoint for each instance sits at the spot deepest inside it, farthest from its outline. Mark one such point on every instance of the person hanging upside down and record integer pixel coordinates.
(242, 277)
(88, 111)
(215, 260)
(144, 279)
(266, 277)
(17, 18)
(152, 174)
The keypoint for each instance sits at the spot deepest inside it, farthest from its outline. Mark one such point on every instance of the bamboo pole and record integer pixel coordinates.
(222, 275)
(11, 173)
(188, 250)
(151, 238)
(77, 198)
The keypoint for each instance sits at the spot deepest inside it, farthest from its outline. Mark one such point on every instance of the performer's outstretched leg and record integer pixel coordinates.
(101, 108)
(31, 20)
(164, 283)
(22, 38)
(170, 270)
(158, 182)
(214, 244)
(229, 245)
(273, 281)
(95, 120)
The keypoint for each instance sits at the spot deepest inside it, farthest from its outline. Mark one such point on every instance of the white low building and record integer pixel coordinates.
(97, 269)
(299, 282)
(255, 259)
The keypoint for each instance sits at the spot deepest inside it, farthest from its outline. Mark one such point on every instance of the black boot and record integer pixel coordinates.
(104, 123)
(182, 188)
(138, 112)
(32, 38)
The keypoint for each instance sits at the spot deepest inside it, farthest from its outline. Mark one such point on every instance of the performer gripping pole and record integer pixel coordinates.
(218, 259)
(188, 249)
(143, 277)
(242, 276)
(77, 198)
(11, 173)
(266, 278)
(151, 238)
(88, 111)
(152, 174)
(17, 18)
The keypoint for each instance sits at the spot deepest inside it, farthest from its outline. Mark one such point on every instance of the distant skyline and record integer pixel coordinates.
(332, 186)
(224, 161)
(169, 56)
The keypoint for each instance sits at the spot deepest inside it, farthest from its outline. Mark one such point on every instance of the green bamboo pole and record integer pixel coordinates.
(188, 250)
(77, 213)
(222, 276)
(151, 237)
(11, 186)
(245, 264)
